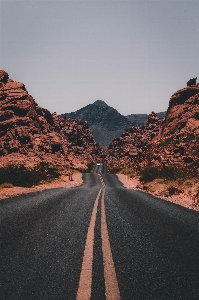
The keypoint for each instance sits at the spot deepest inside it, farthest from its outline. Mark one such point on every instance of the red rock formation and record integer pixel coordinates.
(173, 141)
(183, 112)
(192, 81)
(135, 139)
(30, 134)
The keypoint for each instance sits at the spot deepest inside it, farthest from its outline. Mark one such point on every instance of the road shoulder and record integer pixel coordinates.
(182, 199)
(62, 182)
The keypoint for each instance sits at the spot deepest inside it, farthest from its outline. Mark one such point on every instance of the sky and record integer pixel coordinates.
(131, 54)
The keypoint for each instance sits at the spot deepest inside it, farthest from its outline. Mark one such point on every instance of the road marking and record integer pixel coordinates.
(85, 282)
(111, 284)
(102, 181)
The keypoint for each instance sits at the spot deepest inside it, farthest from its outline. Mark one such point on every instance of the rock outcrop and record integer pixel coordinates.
(134, 142)
(106, 122)
(31, 134)
(183, 112)
(192, 81)
(168, 142)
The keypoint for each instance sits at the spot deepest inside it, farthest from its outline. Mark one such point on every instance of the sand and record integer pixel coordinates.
(184, 199)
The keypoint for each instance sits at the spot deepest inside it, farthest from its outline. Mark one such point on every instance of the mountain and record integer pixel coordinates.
(30, 134)
(163, 142)
(140, 119)
(106, 122)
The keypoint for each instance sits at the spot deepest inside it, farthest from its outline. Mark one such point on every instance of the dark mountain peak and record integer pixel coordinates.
(100, 103)
(105, 121)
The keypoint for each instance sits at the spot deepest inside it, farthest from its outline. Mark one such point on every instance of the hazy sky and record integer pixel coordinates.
(132, 54)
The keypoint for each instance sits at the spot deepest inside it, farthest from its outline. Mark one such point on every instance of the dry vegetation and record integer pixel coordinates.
(7, 190)
(173, 184)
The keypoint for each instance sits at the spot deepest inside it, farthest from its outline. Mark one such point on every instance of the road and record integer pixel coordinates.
(98, 241)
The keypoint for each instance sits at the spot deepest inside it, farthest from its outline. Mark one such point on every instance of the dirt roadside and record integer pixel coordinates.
(185, 198)
(63, 181)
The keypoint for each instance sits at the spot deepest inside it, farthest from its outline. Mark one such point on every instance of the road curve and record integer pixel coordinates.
(127, 244)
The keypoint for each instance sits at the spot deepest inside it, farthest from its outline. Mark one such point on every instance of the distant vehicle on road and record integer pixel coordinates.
(98, 164)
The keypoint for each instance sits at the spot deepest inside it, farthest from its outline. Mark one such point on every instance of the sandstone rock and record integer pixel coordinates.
(30, 134)
(3, 76)
(168, 142)
(183, 106)
(134, 139)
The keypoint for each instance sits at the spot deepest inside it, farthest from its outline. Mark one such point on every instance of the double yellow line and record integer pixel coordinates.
(85, 283)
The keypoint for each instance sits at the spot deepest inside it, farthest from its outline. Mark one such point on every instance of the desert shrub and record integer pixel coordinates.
(149, 174)
(126, 171)
(45, 171)
(113, 168)
(90, 167)
(174, 190)
(181, 181)
(167, 172)
(132, 175)
(19, 175)
(6, 185)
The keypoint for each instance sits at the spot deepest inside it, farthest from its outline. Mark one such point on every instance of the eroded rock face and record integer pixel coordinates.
(183, 112)
(30, 134)
(135, 140)
(168, 142)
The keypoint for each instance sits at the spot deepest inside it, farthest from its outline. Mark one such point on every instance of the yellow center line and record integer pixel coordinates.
(111, 285)
(85, 282)
(102, 181)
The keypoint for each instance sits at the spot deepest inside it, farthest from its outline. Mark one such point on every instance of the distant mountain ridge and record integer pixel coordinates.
(140, 119)
(106, 122)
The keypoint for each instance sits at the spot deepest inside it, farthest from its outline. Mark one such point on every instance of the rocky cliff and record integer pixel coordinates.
(129, 148)
(31, 134)
(168, 142)
(183, 112)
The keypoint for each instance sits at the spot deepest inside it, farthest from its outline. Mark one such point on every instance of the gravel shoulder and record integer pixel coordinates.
(184, 199)
(63, 181)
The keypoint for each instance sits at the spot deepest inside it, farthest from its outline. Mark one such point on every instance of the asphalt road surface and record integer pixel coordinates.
(98, 241)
